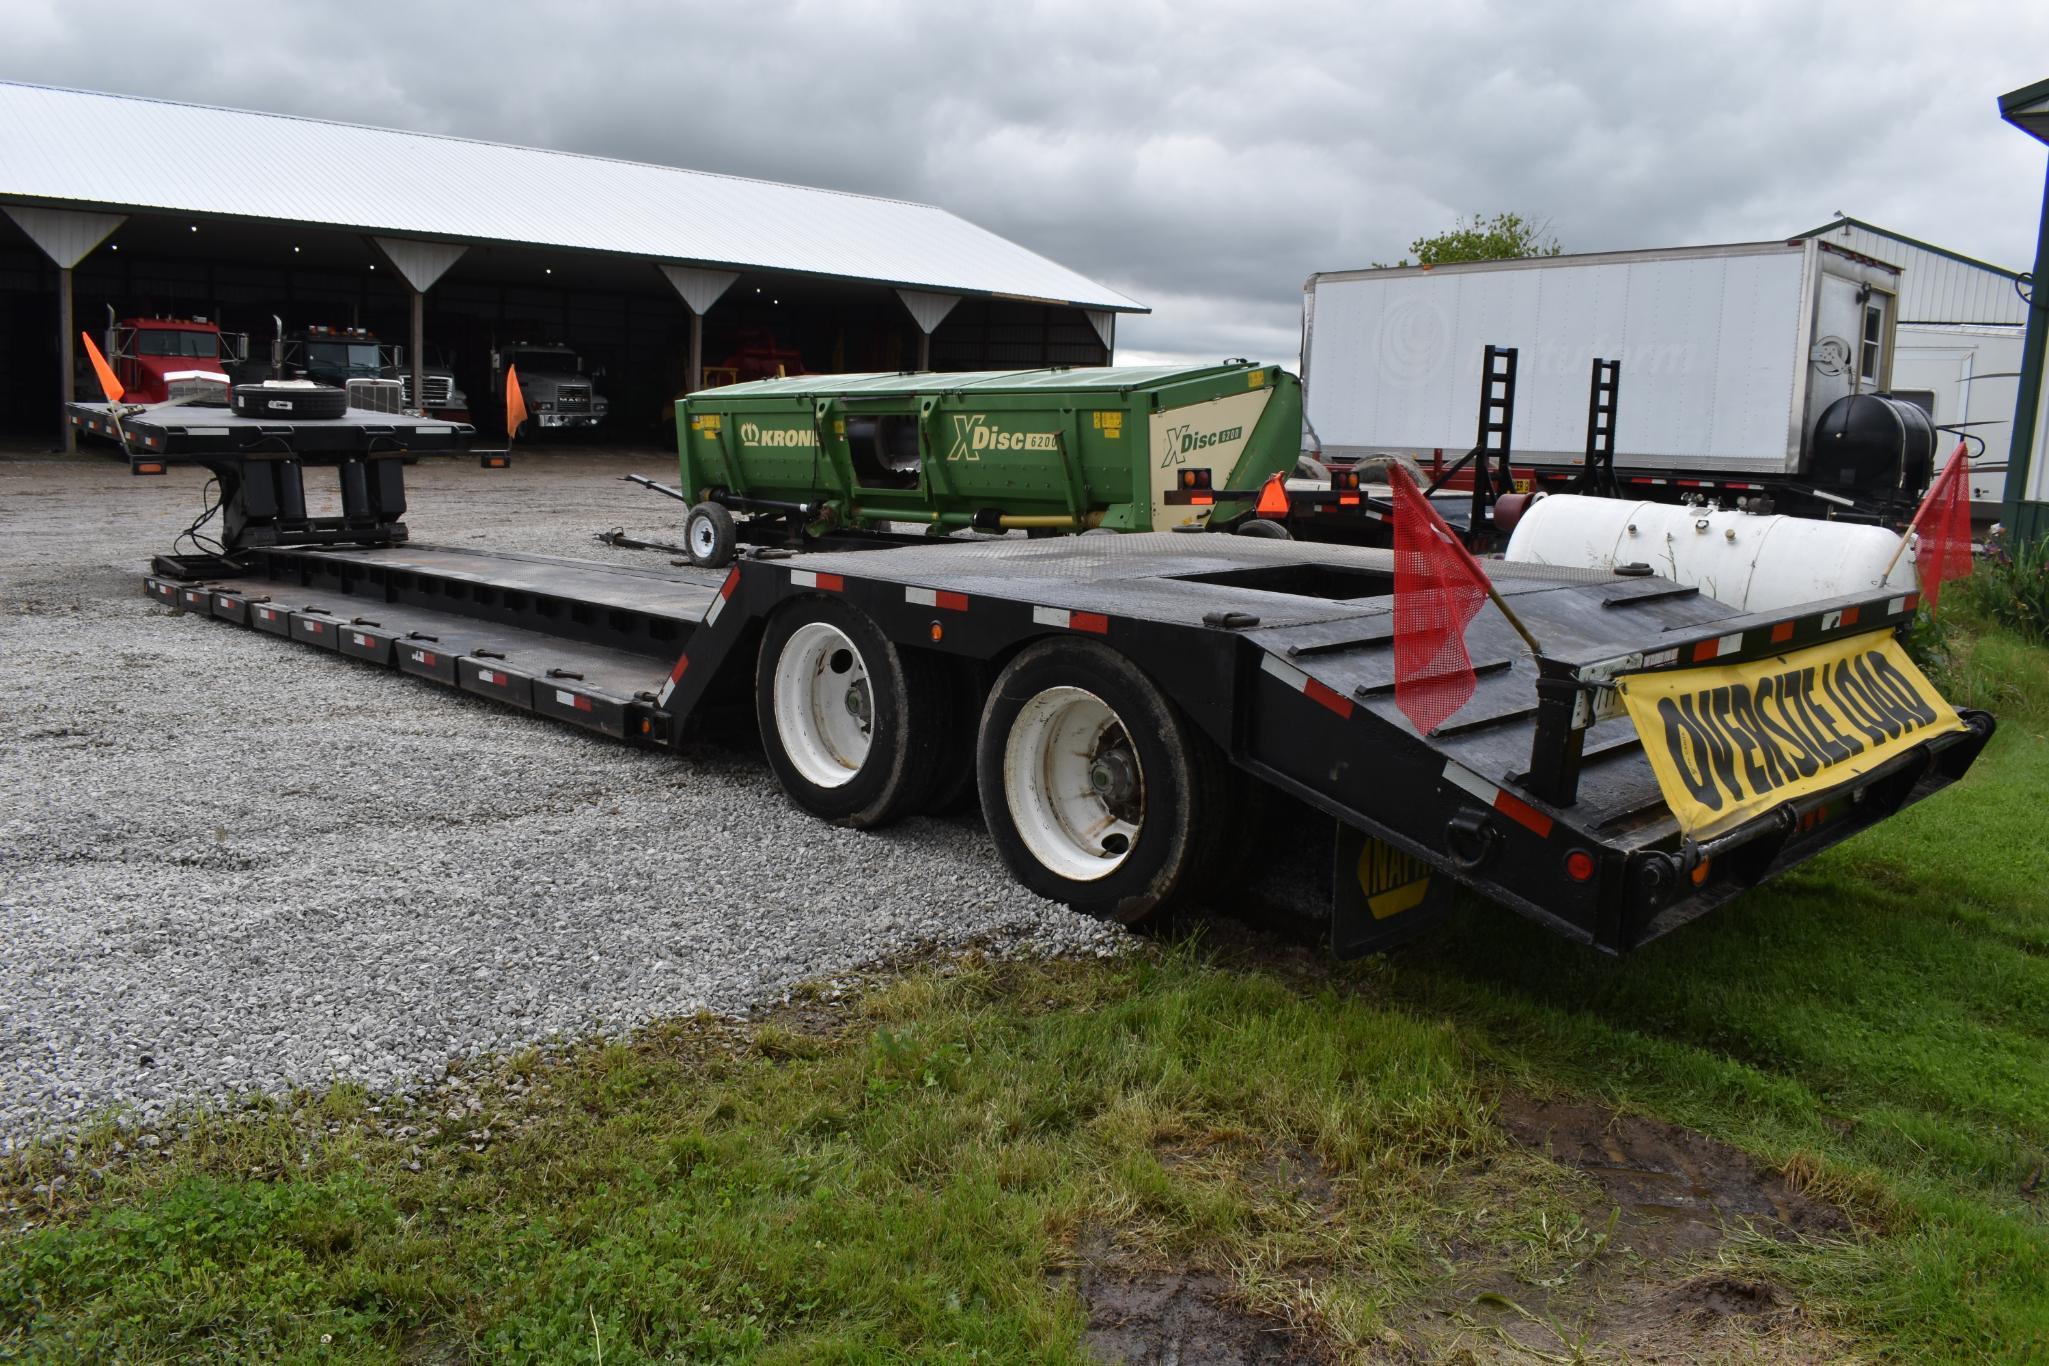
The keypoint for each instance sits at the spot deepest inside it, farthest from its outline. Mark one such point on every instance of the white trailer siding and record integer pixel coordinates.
(1936, 286)
(1714, 344)
(1969, 375)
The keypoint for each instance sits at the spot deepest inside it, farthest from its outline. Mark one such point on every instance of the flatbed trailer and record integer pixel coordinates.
(1121, 704)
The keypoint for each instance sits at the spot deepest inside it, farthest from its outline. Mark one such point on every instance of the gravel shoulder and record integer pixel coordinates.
(229, 864)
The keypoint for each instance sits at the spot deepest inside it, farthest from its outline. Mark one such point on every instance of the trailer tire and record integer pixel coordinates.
(287, 401)
(1373, 469)
(852, 725)
(1075, 742)
(709, 536)
(1262, 529)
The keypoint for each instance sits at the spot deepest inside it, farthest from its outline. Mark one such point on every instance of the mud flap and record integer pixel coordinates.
(1380, 896)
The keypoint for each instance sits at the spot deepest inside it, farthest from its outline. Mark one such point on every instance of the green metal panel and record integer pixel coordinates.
(2029, 518)
(1064, 447)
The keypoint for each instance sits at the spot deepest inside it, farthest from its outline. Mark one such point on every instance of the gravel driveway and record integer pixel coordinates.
(229, 862)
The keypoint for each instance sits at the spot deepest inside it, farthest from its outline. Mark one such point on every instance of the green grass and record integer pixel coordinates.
(906, 1177)
(902, 1188)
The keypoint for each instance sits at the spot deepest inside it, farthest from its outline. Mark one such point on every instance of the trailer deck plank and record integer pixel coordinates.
(681, 594)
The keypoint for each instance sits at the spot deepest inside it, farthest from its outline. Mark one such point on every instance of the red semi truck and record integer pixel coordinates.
(161, 359)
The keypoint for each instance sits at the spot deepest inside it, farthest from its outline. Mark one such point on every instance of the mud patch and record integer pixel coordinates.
(1678, 1190)
(1152, 1318)
(1651, 1291)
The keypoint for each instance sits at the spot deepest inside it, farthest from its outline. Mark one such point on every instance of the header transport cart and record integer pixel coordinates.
(1118, 448)
(1123, 705)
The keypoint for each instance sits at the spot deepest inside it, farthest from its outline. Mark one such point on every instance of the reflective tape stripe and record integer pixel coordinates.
(1094, 622)
(1507, 803)
(938, 597)
(1316, 692)
(572, 699)
(361, 639)
(806, 578)
(1715, 649)
(1782, 632)
(718, 604)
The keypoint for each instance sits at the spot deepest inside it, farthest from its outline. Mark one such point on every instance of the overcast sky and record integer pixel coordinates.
(1202, 158)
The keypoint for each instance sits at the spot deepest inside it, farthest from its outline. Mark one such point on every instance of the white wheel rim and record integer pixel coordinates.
(1072, 780)
(824, 704)
(702, 537)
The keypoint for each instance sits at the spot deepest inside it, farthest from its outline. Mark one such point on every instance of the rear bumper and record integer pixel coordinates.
(1639, 890)
(1667, 888)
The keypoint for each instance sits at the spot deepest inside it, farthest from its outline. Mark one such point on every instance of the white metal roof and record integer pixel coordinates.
(1937, 285)
(78, 148)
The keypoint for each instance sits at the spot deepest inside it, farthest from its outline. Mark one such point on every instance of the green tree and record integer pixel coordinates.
(1503, 237)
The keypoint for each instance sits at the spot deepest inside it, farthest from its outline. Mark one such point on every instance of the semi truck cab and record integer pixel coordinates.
(376, 375)
(558, 391)
(159, 360)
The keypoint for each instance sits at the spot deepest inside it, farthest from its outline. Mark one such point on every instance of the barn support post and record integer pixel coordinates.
(66, 236)
(418, 342)
(419, 263)
(67, 370)
(699, 289)
(928, 310)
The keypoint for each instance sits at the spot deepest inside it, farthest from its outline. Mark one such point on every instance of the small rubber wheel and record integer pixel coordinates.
(709, 536)
(1097, 791)
(851, 724)
(1265, 530)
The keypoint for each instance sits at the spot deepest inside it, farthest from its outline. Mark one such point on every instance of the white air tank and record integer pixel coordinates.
(1755, 563)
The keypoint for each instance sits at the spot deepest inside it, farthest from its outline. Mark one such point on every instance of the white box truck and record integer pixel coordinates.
(1750, 370)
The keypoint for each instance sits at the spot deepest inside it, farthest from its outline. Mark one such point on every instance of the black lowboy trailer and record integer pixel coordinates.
(1124, 704)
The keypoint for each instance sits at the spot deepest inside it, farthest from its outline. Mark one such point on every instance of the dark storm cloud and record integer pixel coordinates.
(1204, 158)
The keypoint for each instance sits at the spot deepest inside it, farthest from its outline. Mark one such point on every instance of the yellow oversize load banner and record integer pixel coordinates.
(1730, 742)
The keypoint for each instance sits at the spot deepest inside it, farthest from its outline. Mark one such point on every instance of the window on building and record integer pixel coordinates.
(1874, 330)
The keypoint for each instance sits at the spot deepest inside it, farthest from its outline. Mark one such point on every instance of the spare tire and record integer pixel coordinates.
(290, 400)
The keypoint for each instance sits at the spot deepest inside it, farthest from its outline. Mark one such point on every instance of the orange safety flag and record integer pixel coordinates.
(1438, 590)
(515, 402)
(1273, 498)
(1944, 523)
(109, 385)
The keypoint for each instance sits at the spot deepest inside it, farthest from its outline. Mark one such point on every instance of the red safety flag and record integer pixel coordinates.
(109, 385)
(1944, 523)
(515, 403)
(1438, 590)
